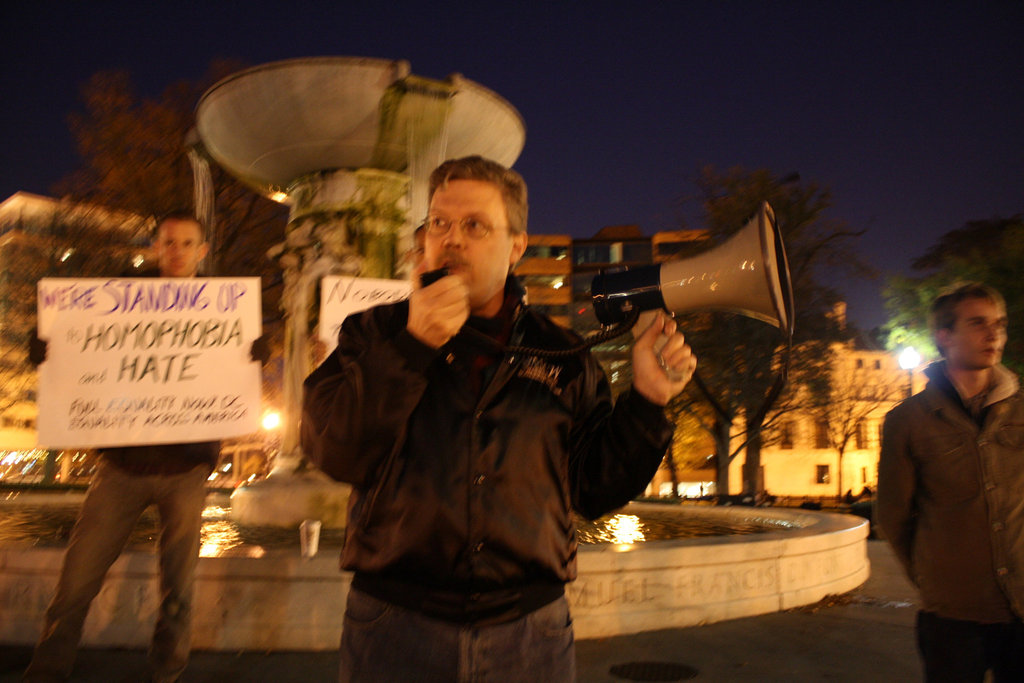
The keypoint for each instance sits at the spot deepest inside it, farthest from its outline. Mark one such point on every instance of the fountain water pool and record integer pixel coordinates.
(278, 600)
(34, 520)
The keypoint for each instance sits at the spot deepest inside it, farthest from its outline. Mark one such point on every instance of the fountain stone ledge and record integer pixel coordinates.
(282, 602)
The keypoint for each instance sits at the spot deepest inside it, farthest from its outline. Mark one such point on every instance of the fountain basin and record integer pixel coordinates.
(274, 123)
(688, 582)
(280, 601)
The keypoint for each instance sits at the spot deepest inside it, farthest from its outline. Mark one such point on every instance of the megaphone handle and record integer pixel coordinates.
(645, 320)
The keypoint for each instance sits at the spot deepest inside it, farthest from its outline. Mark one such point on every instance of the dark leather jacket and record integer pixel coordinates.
(950, 494)
(471, 491)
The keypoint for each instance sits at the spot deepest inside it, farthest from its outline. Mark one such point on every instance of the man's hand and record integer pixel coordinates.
(437, 312)
(661, 373)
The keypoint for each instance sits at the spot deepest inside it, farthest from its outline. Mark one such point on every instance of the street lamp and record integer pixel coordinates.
(271, 420)
(909, 359)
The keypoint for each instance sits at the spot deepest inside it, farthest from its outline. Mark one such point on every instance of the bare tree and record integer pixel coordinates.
(134, 157)
(738, 358)
(853, 391)
(731, 437)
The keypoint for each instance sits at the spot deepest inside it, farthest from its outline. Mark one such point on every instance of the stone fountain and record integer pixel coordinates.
(348, 144)
(273, 599)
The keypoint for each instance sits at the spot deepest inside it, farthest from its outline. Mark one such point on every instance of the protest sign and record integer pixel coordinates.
(342, 295)
(135, 361)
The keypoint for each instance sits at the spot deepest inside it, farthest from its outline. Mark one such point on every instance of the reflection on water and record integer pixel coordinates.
(617, 529)
(668, 524)
(50, 526)
(219, 536)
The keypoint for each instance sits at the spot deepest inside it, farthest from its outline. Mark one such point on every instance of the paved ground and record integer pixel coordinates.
(866, 635)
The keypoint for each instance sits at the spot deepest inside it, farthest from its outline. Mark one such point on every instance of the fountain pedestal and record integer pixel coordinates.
(341, 222)
(348, 143)
(286, 497)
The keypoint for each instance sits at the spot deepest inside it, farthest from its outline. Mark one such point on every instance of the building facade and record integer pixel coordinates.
(829, 446)
(44, 237)
(818, 447)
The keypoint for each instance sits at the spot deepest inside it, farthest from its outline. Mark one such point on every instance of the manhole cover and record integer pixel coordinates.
(653, 671)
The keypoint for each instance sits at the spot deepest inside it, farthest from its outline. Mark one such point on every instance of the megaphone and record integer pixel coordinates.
(748, 274)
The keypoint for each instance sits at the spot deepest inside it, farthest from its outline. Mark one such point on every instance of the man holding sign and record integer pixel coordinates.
(130, 479)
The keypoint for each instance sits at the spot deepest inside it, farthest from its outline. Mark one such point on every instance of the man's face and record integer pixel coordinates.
(483, 263)
(179, 247)
(978, 336)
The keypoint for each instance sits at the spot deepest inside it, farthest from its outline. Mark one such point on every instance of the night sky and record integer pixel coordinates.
(911, 113)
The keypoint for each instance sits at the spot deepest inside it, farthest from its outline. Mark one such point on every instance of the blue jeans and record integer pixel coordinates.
(113, 504)
(958, 651)
(381, 642)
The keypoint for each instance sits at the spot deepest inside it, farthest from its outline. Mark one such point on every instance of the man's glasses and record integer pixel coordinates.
(474, 228)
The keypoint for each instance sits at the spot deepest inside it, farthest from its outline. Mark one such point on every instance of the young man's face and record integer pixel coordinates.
(978, 336)
(179, 247)
(483, 263)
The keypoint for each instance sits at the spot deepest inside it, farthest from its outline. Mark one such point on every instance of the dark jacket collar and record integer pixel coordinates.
(500, 326)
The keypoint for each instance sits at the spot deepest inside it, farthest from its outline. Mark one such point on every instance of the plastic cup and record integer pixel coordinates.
(309, 537)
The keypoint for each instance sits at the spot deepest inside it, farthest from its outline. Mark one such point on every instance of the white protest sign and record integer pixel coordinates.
(135, 361)
(342, 295)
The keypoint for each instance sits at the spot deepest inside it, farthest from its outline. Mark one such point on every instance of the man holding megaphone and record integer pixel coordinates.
(467, 457)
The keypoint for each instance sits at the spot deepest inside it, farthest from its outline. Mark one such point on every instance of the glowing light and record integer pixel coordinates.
(279, 197)
(66, 255)
(909, 358)
(272, 420)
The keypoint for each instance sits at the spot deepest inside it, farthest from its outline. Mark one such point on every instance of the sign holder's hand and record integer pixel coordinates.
(259, 350)
(37, 349)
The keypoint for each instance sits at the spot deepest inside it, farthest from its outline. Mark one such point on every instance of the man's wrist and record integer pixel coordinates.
(647, 397)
